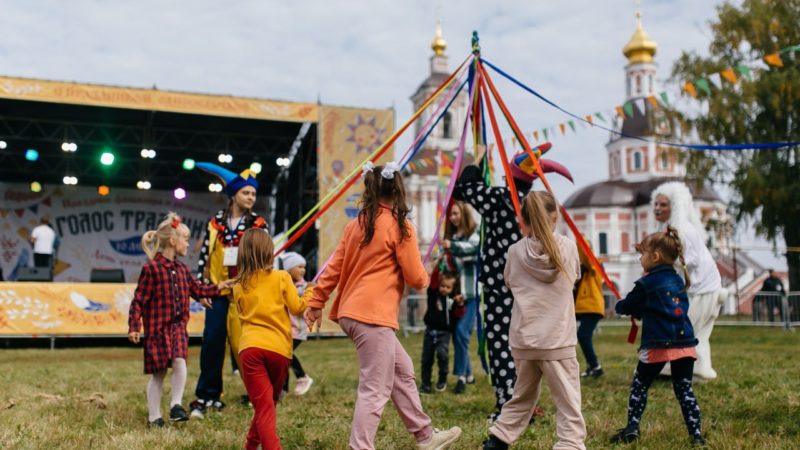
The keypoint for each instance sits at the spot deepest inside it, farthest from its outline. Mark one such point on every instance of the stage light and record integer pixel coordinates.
(69, 147)
(103, 190)
(283, 162)
(3, 145)
(31, 154)
(255, 167)
(215, 187)
(188, 164)
(225, 158)
(148, 153)
(143, 185)
(179, 193)
(70, 180)
(107, 158)
(36, 186)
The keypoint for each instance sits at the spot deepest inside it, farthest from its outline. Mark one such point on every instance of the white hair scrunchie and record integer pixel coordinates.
(367, 167)
(389, 169)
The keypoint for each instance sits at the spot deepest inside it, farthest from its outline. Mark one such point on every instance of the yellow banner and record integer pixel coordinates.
(38, 309)
(155, 100)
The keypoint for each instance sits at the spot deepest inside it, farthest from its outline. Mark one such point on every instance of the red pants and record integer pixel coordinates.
(263, 373)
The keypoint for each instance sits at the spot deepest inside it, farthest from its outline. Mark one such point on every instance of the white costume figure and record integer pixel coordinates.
(673, 205)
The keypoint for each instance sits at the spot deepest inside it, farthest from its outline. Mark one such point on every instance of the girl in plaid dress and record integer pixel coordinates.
(161, 301)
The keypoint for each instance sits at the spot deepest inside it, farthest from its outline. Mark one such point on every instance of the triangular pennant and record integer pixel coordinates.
(689, 88)
(628, 109)
(640, 104)
(34, 208)
(599, 115)
(665, 99)
(744, 71)
(589, 119)
(620, 111)
(536, 135)
(514, 141)
(571, 125)
(19, 212)
(729, 75)
(716, 80)
(703, 85)
(773, 59)
(563, 128)
(653, 101)
(47, 201)
(544, 132)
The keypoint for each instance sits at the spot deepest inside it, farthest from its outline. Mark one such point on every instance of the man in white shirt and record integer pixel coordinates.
(43, 239)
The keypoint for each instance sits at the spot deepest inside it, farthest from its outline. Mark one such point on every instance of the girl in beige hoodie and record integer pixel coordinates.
(541, 270)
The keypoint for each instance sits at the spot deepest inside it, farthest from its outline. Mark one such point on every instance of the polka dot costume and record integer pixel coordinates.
(502, 230)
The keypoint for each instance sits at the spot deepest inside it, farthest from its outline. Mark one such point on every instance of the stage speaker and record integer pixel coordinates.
(35, 274)
(107, 276)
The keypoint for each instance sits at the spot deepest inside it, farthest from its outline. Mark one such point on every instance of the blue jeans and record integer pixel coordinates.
(461, 366)
(212, 350)
(588, 322)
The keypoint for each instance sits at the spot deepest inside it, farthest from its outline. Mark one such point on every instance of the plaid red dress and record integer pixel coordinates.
(161, 301)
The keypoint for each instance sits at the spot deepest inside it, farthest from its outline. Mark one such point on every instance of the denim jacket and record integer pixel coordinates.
(660, 301)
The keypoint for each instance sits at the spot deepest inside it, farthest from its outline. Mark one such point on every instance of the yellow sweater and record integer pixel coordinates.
(264, 309)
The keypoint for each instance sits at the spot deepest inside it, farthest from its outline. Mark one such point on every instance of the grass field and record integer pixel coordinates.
(94, 398)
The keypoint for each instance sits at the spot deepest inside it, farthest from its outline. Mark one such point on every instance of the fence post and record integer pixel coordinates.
(787, 323)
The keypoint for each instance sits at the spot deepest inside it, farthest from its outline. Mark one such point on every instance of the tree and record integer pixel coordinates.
(764, 107)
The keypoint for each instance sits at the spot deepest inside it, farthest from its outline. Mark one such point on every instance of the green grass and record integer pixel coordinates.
(45, 400)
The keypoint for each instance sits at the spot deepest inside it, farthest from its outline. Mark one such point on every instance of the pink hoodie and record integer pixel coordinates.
(543, 316)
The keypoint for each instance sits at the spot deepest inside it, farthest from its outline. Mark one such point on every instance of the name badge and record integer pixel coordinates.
(229, 258)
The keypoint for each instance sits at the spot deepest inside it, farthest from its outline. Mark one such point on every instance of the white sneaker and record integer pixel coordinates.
(441, 439)
(303, 385)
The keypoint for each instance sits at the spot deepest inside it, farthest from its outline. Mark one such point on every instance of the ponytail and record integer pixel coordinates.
(150, 244)
(538, 206)
(378, 187)
(668, 244)
(672, 233)
(155, 240)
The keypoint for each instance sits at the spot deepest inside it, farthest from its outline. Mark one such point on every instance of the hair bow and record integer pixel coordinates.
(175, 222)
(367, 167)
(389, 169)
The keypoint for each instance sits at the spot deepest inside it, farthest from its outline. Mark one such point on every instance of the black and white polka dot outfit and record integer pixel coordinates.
(502, 230)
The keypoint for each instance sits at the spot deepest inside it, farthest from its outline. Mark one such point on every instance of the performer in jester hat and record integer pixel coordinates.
(495, 206)
(218, 263)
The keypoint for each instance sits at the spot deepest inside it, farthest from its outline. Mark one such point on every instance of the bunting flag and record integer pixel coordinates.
(47, 201)
(620, 112)
(640, 105)
(34, 208)
(744, 71)
(19, 212)
(600, 116)
(665, 98)
(716, 80)
(653, 101)
(571, 125)
(702, 84)
(562, 127)
(729, 75)
(544, 131)
(536, 135)
(689, 88)
(773, 59)
(589, 119)
(628, 109)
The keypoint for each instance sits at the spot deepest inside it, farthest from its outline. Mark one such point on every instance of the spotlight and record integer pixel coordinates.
(148, 153)
(31, 154)
(103, 190)
(70, 180)
(36, 186)
(3, 145)
(143, 185)
(215, 187)
(179, 193)
(255, 167)
(107, 158)
(225, 158)
(283, 162)
(188, 164)
(69, 147)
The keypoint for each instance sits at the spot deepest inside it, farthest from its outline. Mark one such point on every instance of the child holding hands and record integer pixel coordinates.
(161, 302)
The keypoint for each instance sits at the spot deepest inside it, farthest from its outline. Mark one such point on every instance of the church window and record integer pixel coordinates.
(638, 84)
(603, 241)
(626, 242)
(447, 132)
(637, 161)
(664, 160)
(628, 86)
(650, 87)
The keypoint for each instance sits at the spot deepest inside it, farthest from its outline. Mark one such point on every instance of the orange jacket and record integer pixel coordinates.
(371, 279)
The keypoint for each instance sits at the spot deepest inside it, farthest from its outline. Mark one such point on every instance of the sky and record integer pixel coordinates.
(362, 53)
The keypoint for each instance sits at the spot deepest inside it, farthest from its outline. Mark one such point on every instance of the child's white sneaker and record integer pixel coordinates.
(302, 385)
(441, 439)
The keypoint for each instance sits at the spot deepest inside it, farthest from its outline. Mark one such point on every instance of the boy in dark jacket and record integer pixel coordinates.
(444, 303)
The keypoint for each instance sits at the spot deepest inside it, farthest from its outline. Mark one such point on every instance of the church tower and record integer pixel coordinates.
(433, 162)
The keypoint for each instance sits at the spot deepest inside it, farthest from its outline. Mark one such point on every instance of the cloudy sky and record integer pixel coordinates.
(361, 53)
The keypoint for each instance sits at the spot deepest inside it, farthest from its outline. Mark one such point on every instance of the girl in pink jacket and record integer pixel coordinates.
(541, 270)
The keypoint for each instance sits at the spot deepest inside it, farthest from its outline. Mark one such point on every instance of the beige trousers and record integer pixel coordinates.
(563, 379)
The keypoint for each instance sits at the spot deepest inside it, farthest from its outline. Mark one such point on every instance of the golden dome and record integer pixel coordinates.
(640, 48)
(439, 44)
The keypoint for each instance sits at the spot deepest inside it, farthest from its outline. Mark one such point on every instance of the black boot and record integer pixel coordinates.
(626, 435)
(494, 444)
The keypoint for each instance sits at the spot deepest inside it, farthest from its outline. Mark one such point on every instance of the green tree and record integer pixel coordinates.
(764, 107)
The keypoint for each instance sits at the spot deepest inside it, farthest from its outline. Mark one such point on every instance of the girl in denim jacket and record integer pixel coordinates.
(659, 300)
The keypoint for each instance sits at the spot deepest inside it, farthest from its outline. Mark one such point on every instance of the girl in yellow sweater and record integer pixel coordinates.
(264, 297)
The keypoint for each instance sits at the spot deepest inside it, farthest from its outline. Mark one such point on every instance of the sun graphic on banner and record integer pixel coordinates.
(365, 134)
